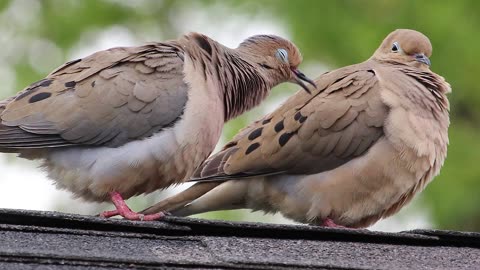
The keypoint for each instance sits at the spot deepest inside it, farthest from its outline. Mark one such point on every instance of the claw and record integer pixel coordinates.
(123, 210)
(108, 214)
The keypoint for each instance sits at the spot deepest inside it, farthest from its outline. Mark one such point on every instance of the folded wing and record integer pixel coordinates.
(108, 99)
(309, 133)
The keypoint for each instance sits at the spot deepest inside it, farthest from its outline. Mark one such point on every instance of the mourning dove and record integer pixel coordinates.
(358, 149)
(131, 120)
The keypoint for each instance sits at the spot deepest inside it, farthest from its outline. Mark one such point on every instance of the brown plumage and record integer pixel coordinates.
(131, 120)
(358, 149)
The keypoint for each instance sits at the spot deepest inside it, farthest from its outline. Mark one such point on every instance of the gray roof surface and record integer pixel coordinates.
(51, 240)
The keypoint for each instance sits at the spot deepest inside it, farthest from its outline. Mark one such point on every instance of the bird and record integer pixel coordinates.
(370, 137)
(131, 120)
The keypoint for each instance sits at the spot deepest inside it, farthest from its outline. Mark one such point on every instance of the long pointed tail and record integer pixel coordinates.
(204, 197)
(181, 199)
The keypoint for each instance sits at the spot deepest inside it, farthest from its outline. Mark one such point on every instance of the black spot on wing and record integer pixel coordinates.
(34, 87)
(70, 84)
(39, 96)
(284, 138)
(299, 117)
(266, 121)
(93, 84)
(255, 134)
(45, 83)
(279, 126)
(252, 147)
(26, 93)
(204, 44)
(230, 144)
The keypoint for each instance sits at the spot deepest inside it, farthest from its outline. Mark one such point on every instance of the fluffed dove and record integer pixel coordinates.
(358, 149)
(131, 120)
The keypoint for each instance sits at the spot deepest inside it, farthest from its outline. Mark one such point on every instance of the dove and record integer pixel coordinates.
(370, 137)
(131, 120)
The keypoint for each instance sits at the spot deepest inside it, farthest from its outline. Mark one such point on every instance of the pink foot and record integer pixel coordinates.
(329, 223)
(124, 211)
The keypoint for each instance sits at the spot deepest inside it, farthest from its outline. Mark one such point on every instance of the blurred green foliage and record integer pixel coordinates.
(335, 33)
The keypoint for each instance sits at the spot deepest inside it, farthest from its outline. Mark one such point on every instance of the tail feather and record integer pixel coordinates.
(181, 199)
(228, 195)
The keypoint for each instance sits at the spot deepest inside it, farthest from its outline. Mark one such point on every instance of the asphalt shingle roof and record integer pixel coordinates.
(51, 240)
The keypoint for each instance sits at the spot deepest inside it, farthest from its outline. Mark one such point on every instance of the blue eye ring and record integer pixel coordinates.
(282, 55)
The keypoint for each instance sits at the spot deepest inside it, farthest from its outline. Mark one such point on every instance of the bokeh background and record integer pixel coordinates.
(37, 36)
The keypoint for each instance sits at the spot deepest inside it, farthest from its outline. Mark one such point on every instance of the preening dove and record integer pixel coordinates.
(359, 148)
(131, 120)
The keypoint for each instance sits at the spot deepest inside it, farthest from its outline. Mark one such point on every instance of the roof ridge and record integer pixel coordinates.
(176, 226)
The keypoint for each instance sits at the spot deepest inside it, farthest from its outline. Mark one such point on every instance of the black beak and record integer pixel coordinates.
(422, 58)
(300, 77)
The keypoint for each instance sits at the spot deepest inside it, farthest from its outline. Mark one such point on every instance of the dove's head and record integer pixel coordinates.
(276, 58)
(407, 47)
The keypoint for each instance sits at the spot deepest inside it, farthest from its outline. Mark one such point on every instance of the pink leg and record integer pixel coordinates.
(124, 211)
(329, 223)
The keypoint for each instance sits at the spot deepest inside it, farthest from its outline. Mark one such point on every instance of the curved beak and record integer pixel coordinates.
(422, 58)
(299, 78)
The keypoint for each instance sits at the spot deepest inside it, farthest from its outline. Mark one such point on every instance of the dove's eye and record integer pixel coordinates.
(282, 55)
(395, 47)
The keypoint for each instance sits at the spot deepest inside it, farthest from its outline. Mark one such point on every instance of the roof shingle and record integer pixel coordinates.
(61, 241)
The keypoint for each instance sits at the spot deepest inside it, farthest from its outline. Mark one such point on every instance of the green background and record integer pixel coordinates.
(330, 34)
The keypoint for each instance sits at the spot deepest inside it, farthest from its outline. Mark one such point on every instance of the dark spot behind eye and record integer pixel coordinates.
(255, 134)
(252, 147)
(39, 96)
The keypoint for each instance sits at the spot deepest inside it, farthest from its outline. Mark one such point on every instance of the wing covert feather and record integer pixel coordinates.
(108, 98)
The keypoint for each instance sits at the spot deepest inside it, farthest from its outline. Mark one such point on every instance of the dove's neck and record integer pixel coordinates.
(239, 84)
(243, 85)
